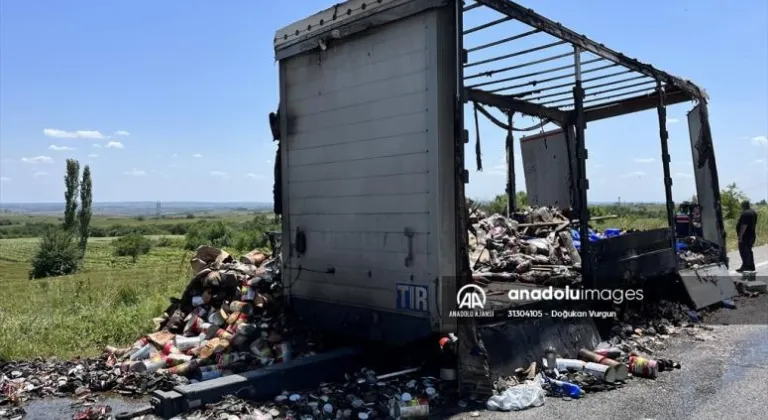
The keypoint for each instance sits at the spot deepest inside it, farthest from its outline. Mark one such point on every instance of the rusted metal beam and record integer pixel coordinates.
(616, 89)
(637, 104)
(511, 183)
(503, 41)
(565, 76)
(508, 103)
(582, 182)
(661, 109)
(531, 18)
(515, 54)
(487, 25)
(586, 88)
(490, 73)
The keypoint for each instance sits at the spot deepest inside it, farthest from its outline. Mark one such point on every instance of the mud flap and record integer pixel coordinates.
(708, 285)
(515, 343)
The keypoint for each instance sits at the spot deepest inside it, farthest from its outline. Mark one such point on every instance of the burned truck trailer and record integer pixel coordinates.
(371, 171)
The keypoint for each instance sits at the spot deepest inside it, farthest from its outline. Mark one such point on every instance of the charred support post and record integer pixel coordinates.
(582, 183)
(511, 193)
(665, 159)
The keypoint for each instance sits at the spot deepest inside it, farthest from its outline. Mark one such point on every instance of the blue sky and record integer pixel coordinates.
(168, 100)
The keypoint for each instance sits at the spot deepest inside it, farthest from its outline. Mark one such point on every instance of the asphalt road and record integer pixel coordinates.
(724, 374)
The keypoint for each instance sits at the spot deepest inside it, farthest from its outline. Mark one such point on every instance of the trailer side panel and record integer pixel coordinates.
(364, 170)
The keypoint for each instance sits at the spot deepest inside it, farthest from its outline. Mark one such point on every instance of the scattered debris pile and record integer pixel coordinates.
(230, 319)
(364, 395)
(26, 380)
(633, 352)
(534, 247)
(694, 251)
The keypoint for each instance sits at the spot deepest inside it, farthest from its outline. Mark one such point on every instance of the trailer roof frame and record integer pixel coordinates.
(674, 89)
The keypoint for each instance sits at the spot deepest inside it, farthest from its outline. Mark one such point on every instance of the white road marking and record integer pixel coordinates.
(758, 265)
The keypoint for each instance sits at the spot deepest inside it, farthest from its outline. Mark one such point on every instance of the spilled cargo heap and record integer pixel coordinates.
(229, 319)
(532, 247)
(541, 246)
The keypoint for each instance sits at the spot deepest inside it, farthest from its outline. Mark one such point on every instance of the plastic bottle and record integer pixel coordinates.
(565, 388)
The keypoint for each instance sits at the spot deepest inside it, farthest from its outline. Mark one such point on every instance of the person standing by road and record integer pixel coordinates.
(746, 231)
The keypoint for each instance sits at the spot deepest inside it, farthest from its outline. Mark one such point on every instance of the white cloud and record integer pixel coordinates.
(97, 145)
(269, 161)
(760, 141)
(636, 174)
(197, 155)
(122, 133)
(41, 173)
(136, 172)
(759, 161)
(683, 175)
(644, 160)
(93, 155)
(672, 120)
(63, 134)
(174, 155)
(59, 148)
(37, 159)
(4, 179)
(254, 176)
(597, 166)
(219, 174)
(115, 145)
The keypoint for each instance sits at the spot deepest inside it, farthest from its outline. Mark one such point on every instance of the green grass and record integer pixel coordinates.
(111, 301)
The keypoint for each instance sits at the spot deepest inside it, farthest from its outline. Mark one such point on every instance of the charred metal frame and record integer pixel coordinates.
(601, 83)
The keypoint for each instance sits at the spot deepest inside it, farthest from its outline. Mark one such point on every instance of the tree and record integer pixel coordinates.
(84, 215)
(132, 245)
(71, 182)
(730, 200)
(499, 203)
(58, 254)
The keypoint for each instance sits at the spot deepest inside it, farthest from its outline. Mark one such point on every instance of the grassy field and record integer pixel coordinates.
(113, 300)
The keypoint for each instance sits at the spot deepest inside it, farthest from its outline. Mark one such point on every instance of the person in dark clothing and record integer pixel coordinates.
(745, 229)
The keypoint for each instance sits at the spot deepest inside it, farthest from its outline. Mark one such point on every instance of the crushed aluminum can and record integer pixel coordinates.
(143, 353)
(175, 359)
(170, 348)
(195, 325)
(217, 318)
(138, 345)
(187, 343)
